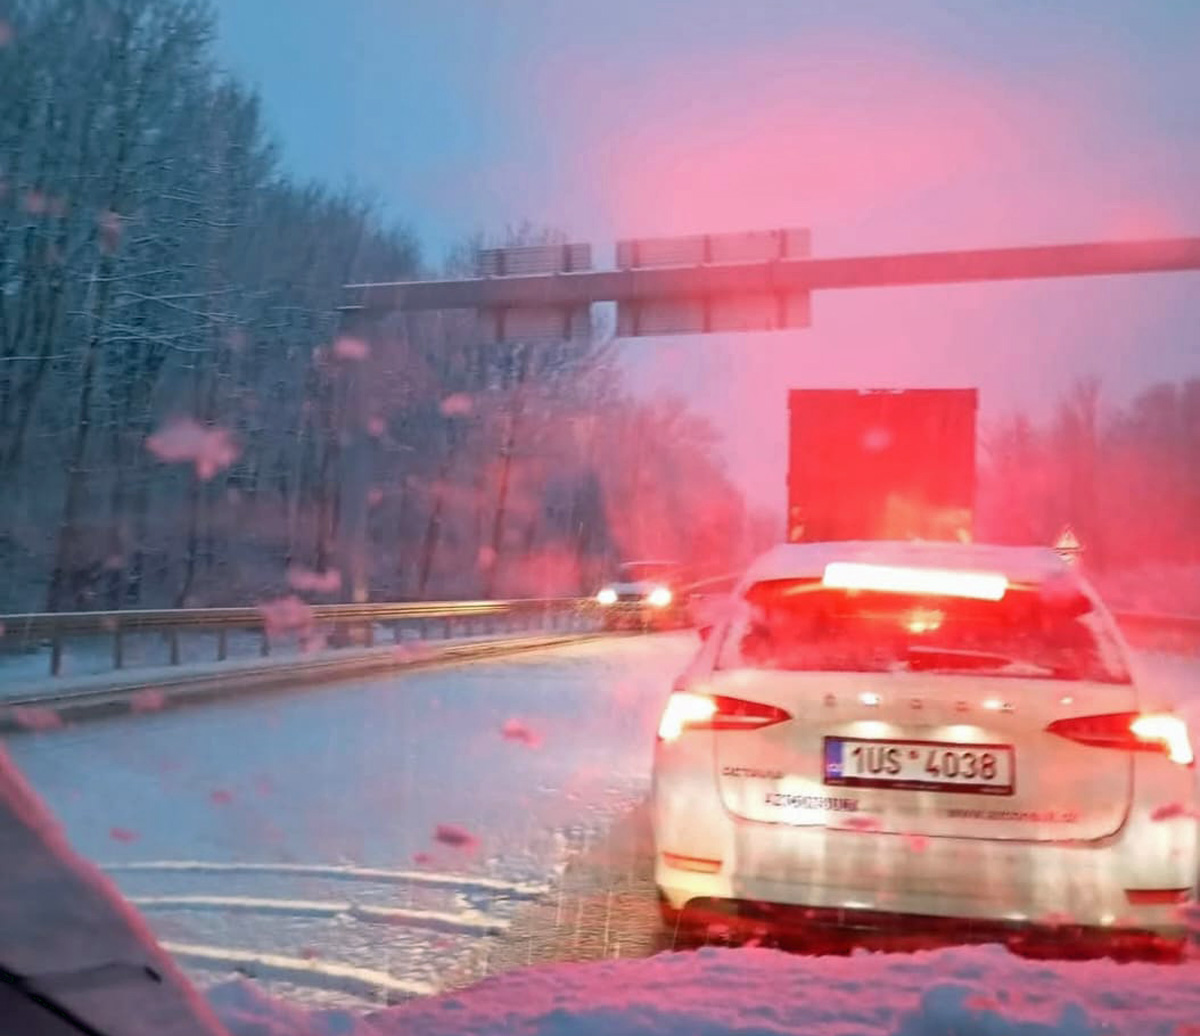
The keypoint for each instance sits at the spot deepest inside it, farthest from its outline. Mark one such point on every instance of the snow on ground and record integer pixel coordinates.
(355, 841)
(978, 991)
(383, 825)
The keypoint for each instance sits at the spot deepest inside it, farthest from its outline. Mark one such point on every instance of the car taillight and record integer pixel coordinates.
(687, 710)
(1133, 731)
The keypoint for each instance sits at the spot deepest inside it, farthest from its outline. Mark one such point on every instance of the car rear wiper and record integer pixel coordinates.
(920, 658)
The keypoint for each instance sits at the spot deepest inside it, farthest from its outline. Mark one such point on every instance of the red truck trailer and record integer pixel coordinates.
(881, 464)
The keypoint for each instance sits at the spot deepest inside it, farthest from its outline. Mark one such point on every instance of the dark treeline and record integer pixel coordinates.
(174, 413)
(1124, 477)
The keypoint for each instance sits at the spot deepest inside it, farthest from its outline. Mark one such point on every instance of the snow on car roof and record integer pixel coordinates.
(808, 560)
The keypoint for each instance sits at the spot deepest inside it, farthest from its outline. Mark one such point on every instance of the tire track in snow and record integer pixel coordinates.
(368, 983)
(467, 922)
(432, 879)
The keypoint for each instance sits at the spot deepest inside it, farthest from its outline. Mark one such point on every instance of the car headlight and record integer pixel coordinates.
(659, 597)
(607, 596)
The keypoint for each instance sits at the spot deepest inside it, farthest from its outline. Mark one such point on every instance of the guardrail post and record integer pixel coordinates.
(56, 653)
(264, 647)
(173, 639)
(118, 648)
(222, 645)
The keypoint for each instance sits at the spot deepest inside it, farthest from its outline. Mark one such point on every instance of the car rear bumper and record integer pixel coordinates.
(1112, 886)
(841, 930)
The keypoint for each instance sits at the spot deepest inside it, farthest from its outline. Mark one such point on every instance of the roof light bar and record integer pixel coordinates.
(945, 582)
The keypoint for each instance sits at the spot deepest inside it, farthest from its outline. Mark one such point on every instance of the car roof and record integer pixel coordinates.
(1033, 565)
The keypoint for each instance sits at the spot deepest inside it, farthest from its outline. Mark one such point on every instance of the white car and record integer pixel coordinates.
(901, 735)
(645, 594)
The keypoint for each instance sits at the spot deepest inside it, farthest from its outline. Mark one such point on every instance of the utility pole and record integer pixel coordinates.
(355, 452)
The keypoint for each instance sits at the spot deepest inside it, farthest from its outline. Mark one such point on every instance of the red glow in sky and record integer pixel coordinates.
(879, 146)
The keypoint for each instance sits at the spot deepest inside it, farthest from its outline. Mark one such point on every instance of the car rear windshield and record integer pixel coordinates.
(803, 625)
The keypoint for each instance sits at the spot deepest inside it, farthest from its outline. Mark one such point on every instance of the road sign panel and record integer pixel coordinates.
(526, 260)
(751, 247)
(535, 323)
(699, 312)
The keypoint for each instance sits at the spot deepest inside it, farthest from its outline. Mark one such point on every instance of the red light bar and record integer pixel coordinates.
(944, 582)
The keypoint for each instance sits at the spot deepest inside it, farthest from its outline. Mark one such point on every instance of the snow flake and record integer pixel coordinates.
(149, 700)
(376, 426)
(347, 348)
(457, 405)
(456, 837)
(1172, 810)
(220, 797)
(515, 730)
(303, 579)
(122, 835)
(286, 615)
(6, 32)
(31, 717)
(210, 449)
(863, 823)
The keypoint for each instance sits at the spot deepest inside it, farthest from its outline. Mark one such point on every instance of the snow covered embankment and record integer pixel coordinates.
(979, 991)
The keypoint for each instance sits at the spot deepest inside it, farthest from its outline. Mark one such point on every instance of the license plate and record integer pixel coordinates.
(919, 766)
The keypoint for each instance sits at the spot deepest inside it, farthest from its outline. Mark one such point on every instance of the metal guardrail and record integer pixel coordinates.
(357, 624)
(342, 624)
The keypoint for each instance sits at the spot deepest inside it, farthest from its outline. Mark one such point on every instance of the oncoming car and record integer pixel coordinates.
(899, 737)
(644, 594)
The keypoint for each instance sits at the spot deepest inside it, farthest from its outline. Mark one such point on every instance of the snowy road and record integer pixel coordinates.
(379, 836)
(391, 824)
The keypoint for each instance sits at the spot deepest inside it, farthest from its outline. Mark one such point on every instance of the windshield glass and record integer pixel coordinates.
(393, 394)
(801, 625)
